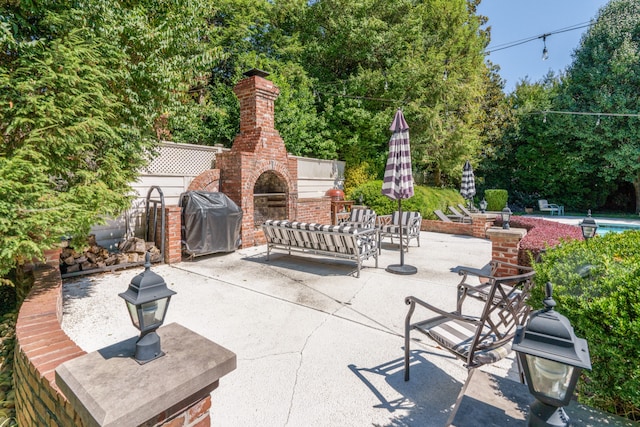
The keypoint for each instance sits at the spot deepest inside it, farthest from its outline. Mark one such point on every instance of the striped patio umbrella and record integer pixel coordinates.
(468, 187)
(398, 179)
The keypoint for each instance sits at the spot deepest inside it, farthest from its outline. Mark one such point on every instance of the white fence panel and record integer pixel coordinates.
(177, 165)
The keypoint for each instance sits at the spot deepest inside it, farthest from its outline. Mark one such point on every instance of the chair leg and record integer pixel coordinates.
(520, 371)
(407, 338)
(460, 396)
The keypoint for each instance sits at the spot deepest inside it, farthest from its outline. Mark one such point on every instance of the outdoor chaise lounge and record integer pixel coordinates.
(457, 216)
(474, 340)
(545, 206)
(441, 216)
(339, 241)
(464, 210)
(389, 226)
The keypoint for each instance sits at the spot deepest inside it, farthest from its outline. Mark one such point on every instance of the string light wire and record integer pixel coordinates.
(586, 113)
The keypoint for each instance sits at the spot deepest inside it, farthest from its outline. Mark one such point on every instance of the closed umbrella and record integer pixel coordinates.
(398, 179)
(468, 187)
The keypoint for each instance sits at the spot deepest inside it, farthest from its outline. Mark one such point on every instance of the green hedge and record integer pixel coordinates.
(597, 286)
(425, 199)
(496, 199)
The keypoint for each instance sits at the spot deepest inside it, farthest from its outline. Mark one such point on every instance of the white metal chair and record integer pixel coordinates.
(389, 226)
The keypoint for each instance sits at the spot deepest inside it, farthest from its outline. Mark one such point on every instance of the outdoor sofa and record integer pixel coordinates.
(340, 241)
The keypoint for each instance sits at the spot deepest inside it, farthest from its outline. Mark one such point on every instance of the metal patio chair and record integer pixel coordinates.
(476, 340)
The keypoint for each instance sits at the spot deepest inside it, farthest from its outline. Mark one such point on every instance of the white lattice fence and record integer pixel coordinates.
(182, 159)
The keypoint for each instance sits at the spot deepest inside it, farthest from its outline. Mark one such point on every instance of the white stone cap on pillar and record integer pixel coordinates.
(513, 233)
(109, 388)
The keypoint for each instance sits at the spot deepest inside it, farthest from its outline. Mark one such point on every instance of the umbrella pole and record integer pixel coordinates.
(401, 235)
(401, 268)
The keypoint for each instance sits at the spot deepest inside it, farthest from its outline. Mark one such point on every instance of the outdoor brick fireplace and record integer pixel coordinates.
(258, 174)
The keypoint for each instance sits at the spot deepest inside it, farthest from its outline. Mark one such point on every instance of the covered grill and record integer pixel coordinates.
(211, 223)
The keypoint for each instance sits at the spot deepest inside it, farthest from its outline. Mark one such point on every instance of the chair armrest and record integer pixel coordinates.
(469, 271)
(383, 220)
(415, 221)
(495, 265)
(411, 300)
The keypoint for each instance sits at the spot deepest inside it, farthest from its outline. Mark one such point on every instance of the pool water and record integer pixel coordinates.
(604, 228)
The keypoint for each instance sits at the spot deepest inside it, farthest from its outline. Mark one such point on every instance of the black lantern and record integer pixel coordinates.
(147, 301)
(589, 226)
(506, 217)
(552, 357)
(483, 205)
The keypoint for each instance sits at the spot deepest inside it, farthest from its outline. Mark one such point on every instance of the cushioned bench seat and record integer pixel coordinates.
(340, 241)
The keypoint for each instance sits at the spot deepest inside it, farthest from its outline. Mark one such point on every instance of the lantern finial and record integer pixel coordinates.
(549, 302)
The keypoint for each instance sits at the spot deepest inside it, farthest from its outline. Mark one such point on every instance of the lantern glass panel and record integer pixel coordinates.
(549, 378)
(133, 312)
(152, 313)
(588, 232)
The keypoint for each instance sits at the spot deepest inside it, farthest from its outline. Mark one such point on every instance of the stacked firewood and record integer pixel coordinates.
(95, 256)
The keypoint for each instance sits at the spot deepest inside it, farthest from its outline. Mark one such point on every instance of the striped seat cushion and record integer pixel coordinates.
(275, 233)
(394, 229)
(332, 238)
(458, 336)
(407, 217)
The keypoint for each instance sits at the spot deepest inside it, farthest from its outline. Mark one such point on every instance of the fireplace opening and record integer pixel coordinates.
(269, 198)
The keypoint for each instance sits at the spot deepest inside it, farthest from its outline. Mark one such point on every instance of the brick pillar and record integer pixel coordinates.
(505, 245)
(481, 222)
(173, 234)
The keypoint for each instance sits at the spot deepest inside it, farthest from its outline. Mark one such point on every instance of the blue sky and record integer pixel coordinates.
(513, 20)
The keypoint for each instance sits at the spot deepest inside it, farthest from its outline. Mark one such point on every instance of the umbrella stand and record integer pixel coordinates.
(401, 268)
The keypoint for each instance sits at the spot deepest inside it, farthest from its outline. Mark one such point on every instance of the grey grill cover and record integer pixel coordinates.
(211, 223)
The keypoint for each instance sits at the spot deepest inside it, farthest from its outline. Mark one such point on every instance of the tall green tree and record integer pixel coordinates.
(82, 87)
(604, 77)
(372, 56)
(262, 35)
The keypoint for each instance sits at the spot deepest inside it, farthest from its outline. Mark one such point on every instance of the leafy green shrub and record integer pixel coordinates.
(356, 175)
(597, 286)
(7, 347)
(496, 199)
(424, 200)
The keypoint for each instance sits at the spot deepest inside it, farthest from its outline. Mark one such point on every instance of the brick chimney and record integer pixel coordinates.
(258, 156)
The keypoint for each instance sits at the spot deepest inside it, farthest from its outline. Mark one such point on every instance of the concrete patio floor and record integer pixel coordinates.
(317, 346)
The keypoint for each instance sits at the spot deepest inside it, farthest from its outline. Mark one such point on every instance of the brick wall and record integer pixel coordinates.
(314, 210)
(173, 234)
(207, 181)
(42, 345)
(438, 226)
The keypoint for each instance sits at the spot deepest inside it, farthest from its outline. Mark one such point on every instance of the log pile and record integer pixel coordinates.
(96, 257)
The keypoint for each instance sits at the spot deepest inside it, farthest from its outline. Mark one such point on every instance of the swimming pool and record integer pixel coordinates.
(604, 228)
